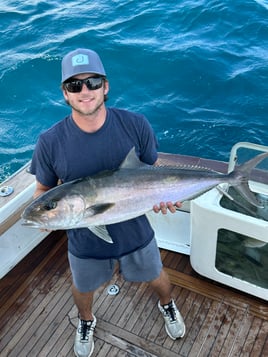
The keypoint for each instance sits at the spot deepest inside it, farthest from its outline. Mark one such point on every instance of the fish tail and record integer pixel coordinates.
(243, 172)
(244, 190)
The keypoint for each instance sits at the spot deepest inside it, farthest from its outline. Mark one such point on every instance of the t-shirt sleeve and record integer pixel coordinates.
(149, 143)
(41, 166)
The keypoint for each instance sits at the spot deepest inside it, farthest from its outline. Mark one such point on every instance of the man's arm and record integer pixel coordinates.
(40, 188)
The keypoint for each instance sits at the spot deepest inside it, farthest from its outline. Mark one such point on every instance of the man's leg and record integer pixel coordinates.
(162, 287)
(84, 343)
(174, 323)
(84, 303)
(88, 275)
(144, 265)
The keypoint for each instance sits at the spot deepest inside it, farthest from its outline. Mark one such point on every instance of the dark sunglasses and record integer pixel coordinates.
(76, 85)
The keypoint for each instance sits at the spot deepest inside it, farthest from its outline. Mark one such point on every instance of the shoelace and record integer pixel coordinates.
(86, 327)
(170, 312)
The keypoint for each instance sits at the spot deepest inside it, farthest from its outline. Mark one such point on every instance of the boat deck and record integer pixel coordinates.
(37, 315)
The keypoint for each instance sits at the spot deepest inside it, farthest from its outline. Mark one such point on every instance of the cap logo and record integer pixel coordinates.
(79, 60)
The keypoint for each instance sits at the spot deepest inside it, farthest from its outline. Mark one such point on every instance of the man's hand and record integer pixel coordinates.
(164, 207)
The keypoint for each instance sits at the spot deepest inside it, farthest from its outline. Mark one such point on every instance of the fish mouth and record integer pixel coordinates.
(31, 224)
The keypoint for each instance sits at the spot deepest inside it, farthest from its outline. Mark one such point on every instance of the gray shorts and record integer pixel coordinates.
(140, 266)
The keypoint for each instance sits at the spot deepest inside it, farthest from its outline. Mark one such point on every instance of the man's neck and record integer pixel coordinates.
(92, 122)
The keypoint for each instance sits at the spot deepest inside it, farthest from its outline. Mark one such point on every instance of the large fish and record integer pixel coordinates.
(132, 190)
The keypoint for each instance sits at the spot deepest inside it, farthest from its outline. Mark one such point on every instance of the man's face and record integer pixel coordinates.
(88, 101)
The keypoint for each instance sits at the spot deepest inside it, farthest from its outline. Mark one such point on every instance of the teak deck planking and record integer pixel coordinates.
(38, 317)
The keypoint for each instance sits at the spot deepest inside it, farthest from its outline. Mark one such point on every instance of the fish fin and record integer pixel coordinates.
(101, 232)
(244, 171)
(244, 190)
(250, 211)
(188, 167)
(132, 161)
(250, 164)
(97, 209)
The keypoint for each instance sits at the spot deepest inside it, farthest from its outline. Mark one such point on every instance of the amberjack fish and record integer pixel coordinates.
(130, 191)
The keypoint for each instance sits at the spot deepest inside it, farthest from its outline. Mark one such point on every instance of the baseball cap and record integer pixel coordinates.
(81, 61)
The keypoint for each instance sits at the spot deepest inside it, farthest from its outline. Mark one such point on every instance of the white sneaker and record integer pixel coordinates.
(84, 343)
(174, 323)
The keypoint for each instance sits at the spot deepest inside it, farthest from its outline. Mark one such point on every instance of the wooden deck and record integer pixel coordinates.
(37, 313)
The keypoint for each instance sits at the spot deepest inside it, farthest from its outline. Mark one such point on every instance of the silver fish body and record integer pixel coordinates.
(132, 190)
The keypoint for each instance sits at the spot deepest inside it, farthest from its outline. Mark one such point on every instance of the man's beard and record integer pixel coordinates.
(91, 112)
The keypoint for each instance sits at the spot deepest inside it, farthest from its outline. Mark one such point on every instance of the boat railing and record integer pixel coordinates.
(246, 145)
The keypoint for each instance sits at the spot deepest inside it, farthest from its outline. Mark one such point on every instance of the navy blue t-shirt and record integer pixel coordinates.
(66, 152)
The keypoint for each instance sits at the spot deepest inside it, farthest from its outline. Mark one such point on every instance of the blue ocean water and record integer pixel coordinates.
(197, 69)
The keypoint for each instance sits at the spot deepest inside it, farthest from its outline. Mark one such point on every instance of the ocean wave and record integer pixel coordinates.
(197, 69)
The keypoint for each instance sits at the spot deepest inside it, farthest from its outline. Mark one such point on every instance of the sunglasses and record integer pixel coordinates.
(76, 85)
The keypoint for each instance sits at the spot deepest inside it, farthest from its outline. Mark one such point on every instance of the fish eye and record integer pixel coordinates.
(50, 205)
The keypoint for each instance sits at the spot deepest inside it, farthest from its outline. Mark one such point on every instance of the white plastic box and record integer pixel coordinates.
(244, 249)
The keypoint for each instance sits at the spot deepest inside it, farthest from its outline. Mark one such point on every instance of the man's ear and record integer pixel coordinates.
(64, 91)
(106, 87)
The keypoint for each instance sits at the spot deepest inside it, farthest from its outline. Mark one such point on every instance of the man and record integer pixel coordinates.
(91, 139)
